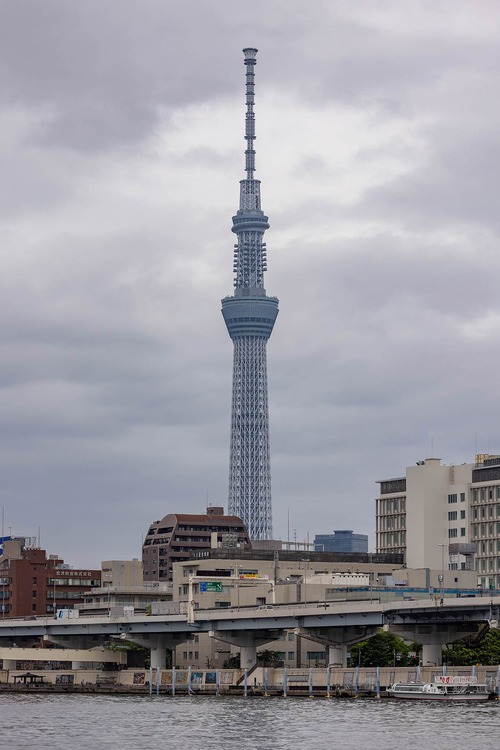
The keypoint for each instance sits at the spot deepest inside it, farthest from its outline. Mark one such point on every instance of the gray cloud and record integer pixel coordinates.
(121, 149)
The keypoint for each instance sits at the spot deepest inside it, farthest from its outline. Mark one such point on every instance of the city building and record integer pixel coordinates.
(250, 316)
(179, 535)
(32, 584)
(342, 540)
(121, 573)
(444, 516)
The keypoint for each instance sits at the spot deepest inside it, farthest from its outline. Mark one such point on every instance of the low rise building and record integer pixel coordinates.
(123, 591)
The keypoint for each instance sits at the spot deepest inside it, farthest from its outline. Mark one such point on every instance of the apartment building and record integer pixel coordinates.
(180, 535)
(32, 584)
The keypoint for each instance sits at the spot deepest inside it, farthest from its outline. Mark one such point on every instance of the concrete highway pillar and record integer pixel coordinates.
(247, 642)
(159, 653)
(248, 654)
(338, 640)
(337, 655)
(432, 654)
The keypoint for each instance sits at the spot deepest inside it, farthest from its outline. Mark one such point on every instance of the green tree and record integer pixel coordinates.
(464, 653)
(269, 659)
(232, 662)
(382, 650)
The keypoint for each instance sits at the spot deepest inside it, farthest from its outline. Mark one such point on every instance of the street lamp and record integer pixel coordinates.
(441, 582)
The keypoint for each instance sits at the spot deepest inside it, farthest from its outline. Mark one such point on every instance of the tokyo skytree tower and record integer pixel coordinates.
(250, 316)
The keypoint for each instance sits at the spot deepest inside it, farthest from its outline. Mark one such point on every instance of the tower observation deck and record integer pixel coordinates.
(250, 316)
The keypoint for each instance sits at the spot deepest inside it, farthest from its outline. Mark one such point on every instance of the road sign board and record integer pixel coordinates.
(211, 586)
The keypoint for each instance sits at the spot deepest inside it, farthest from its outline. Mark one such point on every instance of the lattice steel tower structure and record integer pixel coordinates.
(249, 316)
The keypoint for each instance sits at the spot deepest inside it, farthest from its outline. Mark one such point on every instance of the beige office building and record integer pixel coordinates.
(441, 516)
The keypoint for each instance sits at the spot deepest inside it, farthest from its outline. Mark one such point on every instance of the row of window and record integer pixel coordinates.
(392, 522)
(489, 547)
(488, 564)
(392, 505)
(453, 533)
(480, 494)
(453, 498)
(453, 515)
(485, 529)
(72, 582)
(485, 511)
(392, 539)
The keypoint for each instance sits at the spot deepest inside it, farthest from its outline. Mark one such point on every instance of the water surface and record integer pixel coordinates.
(79, 722)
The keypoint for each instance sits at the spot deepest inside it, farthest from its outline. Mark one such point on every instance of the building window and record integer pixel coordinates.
(452, 498)
(462, 497)
(291, 636)
(33, 593)
(315, 656)
(462, 514)
(34, 579)
(452, 515)
(462, 531)
(452, 533)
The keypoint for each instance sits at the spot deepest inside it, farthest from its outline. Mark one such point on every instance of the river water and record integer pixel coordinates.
(78, 722)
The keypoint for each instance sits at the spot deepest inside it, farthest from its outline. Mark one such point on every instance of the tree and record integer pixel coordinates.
(269, 659)
(382, 650)
(486, 652)
(232, 662)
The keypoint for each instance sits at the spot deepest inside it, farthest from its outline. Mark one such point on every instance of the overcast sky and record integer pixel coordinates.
(121, 148)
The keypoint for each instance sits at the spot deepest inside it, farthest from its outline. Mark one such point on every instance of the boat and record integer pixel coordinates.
(444, 688)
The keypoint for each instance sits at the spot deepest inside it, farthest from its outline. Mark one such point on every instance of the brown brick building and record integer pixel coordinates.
(32, 584)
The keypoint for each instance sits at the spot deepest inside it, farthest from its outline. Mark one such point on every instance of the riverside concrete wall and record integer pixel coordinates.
(295, 680)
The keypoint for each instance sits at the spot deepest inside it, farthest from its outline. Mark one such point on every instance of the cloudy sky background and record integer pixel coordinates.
(121, 148)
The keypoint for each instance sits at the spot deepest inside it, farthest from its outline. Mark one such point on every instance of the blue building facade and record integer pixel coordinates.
(342, 540)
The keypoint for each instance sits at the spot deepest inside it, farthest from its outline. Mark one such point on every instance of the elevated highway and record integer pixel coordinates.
(336, 624)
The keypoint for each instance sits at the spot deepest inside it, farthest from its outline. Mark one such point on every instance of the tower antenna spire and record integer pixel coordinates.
(250, 62)
(250, 316)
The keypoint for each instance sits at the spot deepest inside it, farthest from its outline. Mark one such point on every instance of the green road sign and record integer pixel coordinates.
(214, 586)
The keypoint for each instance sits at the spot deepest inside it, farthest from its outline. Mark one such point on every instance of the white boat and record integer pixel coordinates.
(444, 688)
